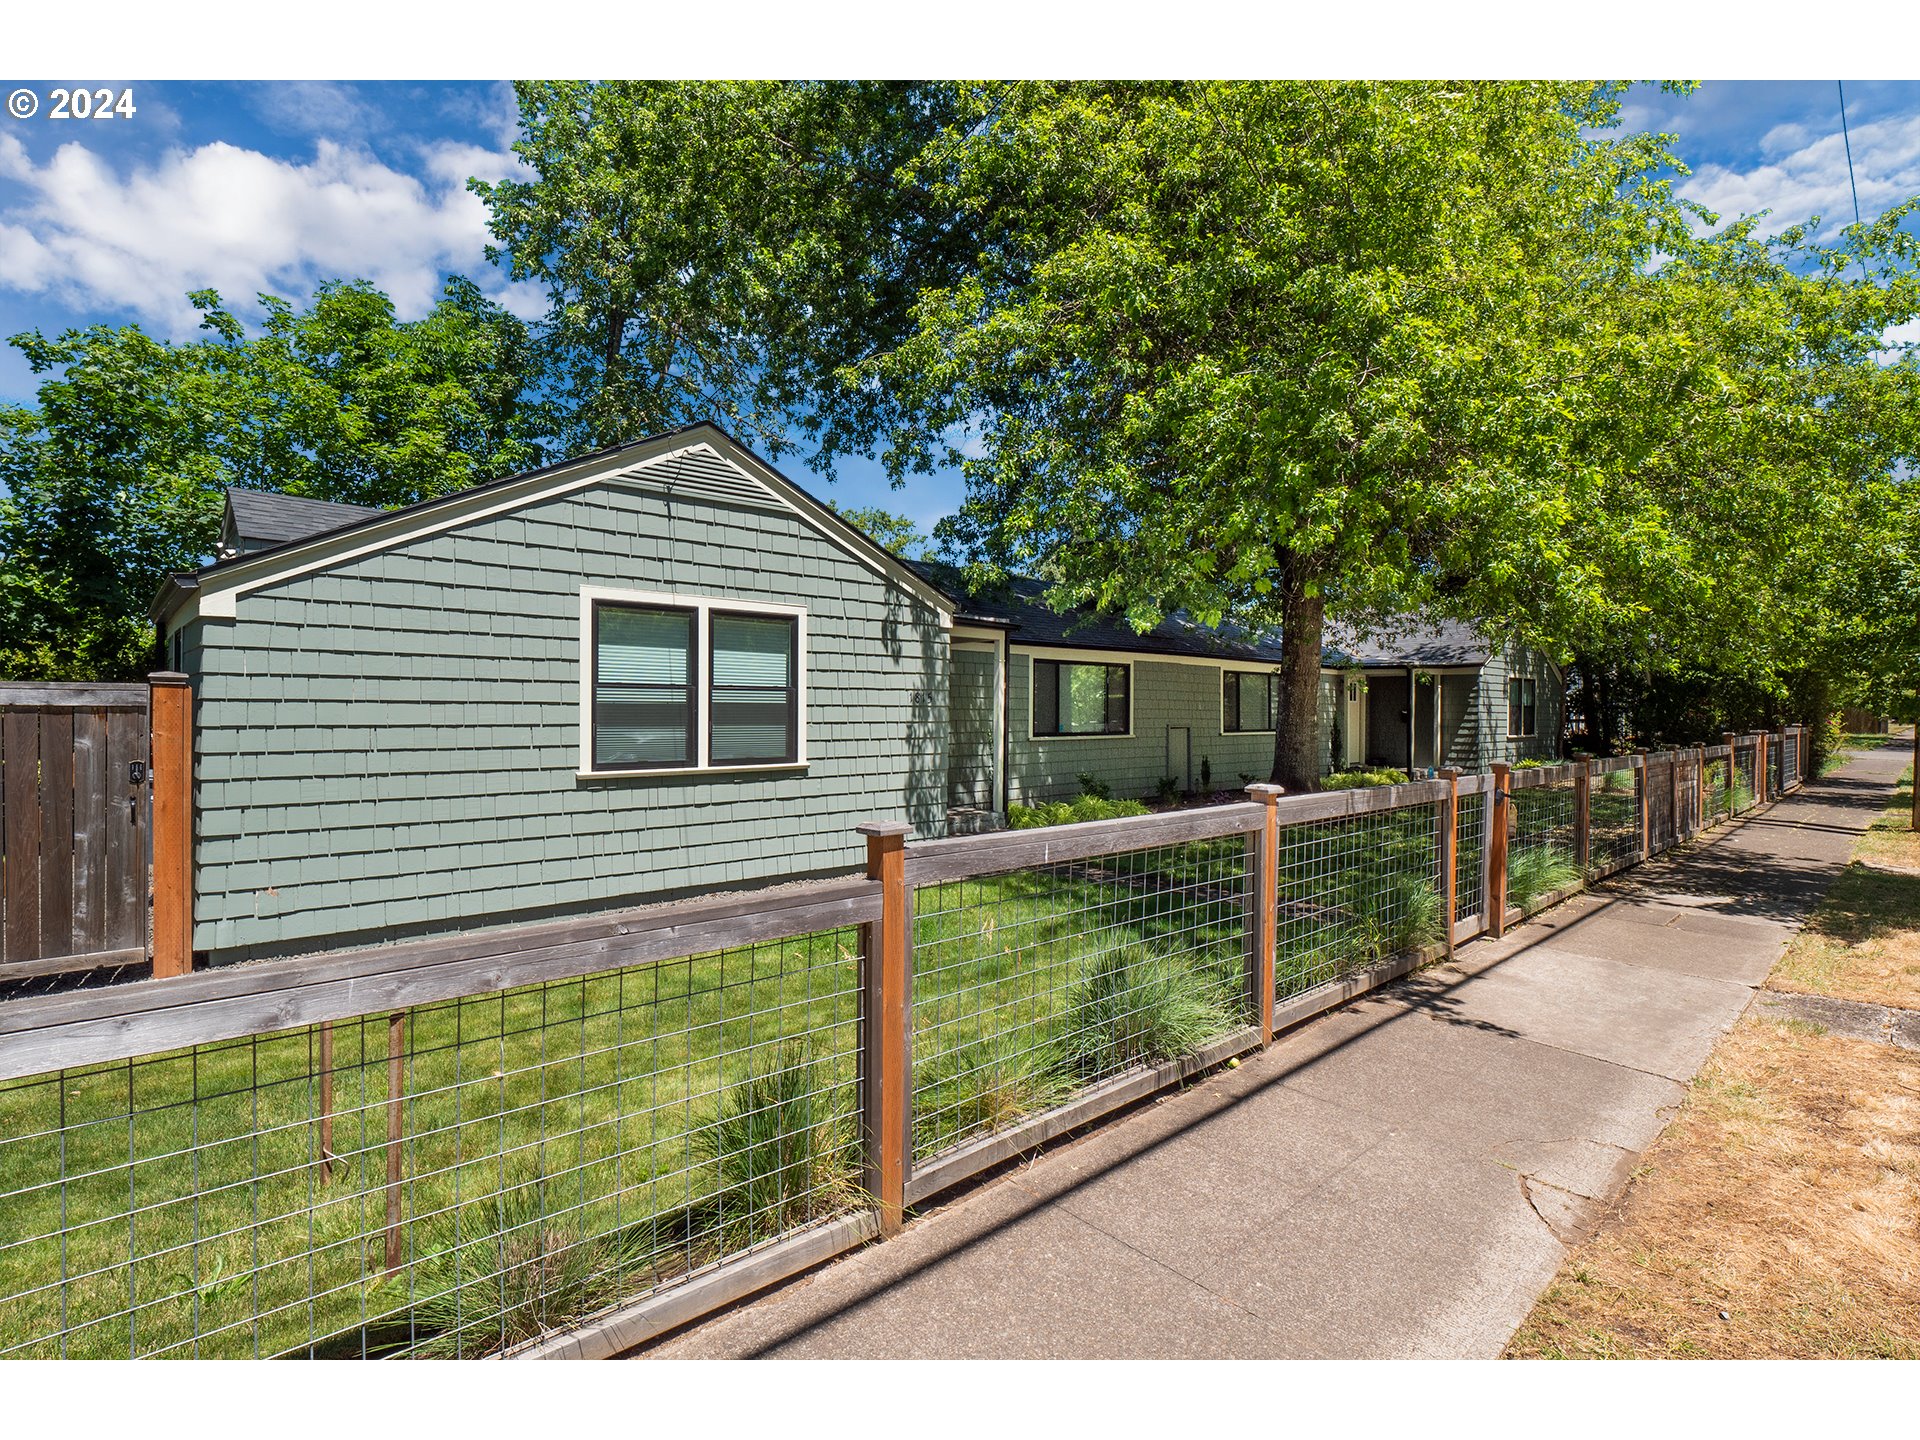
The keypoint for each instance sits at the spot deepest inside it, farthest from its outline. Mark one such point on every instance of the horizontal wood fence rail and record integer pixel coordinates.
(966, 1001)
(126, 1022)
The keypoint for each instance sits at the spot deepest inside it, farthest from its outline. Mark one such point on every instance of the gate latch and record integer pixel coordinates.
(136, 772)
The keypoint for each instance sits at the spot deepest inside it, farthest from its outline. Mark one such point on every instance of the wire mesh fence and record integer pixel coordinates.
(1032, 985)
(1613, 809)
(445, 1181)
(1354, 891)
(1716, 800)
(1790, 759)
(461, 1177)
(1470, 858)
(1543, 838)
(1746, 780)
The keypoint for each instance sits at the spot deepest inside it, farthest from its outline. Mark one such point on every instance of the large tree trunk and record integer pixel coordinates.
(1297, 741)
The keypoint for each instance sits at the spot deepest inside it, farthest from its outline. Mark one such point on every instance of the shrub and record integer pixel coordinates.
(1092, 784)
(1363, 779)
(1538, 870)
(1138, 1004)
(783, 1150)
(507, 1268)
(1167, 790)
(986, 1083)
(1206, 773)
(1067, 812)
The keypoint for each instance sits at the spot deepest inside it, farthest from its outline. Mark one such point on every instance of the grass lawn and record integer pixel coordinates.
(1779, 1214)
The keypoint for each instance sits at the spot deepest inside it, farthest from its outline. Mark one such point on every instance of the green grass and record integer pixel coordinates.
(1070, 812)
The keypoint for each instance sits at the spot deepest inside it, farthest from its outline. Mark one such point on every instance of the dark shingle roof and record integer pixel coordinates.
(258, 518)
(1410, 640)
(1020, 605)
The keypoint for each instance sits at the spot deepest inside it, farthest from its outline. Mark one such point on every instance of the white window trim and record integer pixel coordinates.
(1226, 670)
(1033, 689)
(701, 605)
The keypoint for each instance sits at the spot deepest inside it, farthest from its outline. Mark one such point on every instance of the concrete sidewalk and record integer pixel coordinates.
(1398, 1179)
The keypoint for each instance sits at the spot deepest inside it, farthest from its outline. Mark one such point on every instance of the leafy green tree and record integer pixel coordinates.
(898, 533)
(1270, 353)
(717, 251)
(115, 478)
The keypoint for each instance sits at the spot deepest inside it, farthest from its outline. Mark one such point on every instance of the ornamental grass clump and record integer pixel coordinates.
(510, 1267)
(1138, 1004)
(1538, 870)
(984, 1084)
(783, 1149)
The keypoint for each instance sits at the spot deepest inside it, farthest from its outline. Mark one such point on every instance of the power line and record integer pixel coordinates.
(1848, 139)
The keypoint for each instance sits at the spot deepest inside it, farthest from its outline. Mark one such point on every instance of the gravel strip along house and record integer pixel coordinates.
(664, 668)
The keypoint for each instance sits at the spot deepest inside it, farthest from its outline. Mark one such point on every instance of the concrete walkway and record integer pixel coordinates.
(1400, 1178)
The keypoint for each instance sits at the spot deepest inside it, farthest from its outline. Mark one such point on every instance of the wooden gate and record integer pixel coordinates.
(75, 827)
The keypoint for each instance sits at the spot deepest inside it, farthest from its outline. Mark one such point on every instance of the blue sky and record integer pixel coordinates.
(248, 186)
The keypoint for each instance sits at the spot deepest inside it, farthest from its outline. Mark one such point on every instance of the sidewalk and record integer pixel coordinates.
(1398, 1179)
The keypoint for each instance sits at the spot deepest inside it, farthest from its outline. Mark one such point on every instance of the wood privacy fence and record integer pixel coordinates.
(564, 1139)
(86, 773)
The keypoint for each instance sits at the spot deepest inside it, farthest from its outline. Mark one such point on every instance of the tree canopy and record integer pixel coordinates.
(116, 478)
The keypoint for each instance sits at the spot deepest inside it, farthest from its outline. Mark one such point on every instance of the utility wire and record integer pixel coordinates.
(1848, 139)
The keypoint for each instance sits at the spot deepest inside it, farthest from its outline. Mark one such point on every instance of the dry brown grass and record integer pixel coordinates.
(1863, 943)
(1785, 1195)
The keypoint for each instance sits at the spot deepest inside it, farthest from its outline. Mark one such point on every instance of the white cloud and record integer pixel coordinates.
(1807, 175)
(242, 222)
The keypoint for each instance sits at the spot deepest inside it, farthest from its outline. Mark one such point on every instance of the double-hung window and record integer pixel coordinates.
(1076, 698)
(1522, 708)
(1248, 703)
(684, 683)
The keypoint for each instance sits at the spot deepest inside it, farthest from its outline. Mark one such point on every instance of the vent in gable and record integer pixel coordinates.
(700, 474)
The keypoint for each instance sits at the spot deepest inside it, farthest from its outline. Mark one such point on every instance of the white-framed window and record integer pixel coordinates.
(672, 684)
(1080, 698)
(1249, 702)
(1523, 710)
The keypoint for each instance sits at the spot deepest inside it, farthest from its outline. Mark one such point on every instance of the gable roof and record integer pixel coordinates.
(259, 519)
(700, 460)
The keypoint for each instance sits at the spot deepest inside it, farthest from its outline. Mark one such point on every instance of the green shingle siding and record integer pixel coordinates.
(389, 747)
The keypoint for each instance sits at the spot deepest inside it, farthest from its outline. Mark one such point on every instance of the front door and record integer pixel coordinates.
(1353, 723)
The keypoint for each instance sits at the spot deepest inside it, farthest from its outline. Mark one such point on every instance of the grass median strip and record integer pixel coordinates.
(1779, 1214)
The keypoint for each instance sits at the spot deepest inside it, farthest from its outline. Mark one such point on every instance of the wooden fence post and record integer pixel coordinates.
(1699, 788)
(396, 1128)
(1640, 795)
(1733, 769)
(1262, 931)
(1498, 815)
(170, 761)
(1583, 817)
(886, 1021)
(1760, 775)
(1449, 846)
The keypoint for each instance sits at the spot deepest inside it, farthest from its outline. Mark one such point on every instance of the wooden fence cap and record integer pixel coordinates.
(882, 827)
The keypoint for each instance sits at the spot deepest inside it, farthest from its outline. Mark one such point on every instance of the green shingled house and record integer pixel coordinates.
(662, 669)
